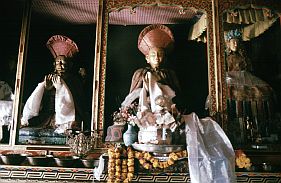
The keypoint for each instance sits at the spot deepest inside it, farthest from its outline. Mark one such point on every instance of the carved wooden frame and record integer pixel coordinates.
(222, 7)
(108, 6)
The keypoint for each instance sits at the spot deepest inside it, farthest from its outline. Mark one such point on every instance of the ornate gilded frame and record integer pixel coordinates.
(222, 7)
(105, 7)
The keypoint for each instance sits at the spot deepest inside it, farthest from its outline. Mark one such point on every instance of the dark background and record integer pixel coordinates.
(264, 52)
(188, 60)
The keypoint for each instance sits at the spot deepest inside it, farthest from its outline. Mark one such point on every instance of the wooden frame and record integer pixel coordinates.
(105, 7)
(20, 77)
(101, 51)
(222, 7)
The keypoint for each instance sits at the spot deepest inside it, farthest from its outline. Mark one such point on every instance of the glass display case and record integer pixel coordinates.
(227, 58)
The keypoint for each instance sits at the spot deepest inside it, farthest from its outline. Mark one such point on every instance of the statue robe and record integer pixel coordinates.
(63, 105)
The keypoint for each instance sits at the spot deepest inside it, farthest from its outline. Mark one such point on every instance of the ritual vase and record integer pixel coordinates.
(130, 136)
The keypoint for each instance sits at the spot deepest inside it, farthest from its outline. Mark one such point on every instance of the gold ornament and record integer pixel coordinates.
(148, 161)
(121, 165)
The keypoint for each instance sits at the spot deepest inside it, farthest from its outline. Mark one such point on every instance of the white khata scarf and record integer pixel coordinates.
(64, 105)
(211, 157)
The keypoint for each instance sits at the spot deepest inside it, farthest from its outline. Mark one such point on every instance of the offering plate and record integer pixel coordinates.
(158, 149)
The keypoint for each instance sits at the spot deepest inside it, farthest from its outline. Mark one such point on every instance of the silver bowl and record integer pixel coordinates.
(67, 161)
(267, 167)
(90, 163)
(39, 160)
(13, 159)
(160, 149)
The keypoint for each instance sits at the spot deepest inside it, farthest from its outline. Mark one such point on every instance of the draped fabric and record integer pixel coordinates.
(5, 115)
(256, 29)
(155, 82)
(154, 89)
(150, 86)
(98, 170)
(250, 101)
(210, 154)
(64, 106)
(6, 112)
(211, 157)
(248, 14)
(6, 106)
(164, 76)
(242, 85)
(248, 97)
(198, 30)
(254, 20)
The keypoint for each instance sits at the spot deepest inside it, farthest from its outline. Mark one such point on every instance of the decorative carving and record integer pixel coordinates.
(81, 143)
(222, 7)
(114, 5)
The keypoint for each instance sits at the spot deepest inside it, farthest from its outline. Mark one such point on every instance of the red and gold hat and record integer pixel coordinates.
(156, 35)
(62, 45)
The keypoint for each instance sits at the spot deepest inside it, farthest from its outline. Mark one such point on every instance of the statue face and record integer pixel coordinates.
(155, 57)
(233, 44)
(61, 65)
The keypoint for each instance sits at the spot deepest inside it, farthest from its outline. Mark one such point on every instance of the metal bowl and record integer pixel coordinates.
(161, 149)
(39, 160)
(90, 163)
(67, 161)
(13, 159)
(267, 167)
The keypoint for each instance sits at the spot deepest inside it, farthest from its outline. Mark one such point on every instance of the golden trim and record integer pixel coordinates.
(22, 54)
(113, 5)
(222, 7)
